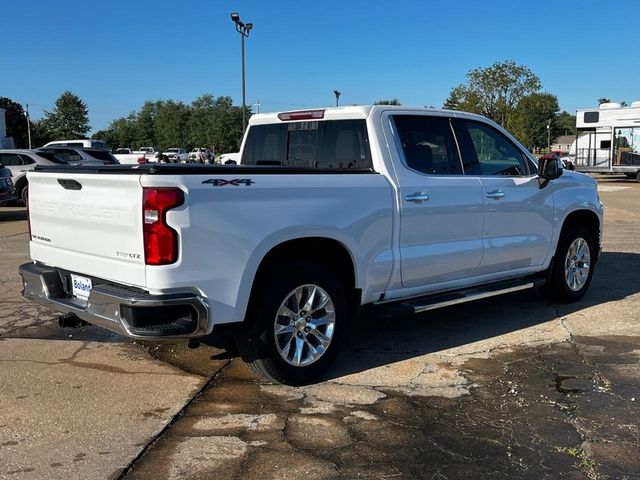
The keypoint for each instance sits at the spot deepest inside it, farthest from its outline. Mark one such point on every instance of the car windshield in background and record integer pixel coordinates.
(103, 155)
(52, 157)
(339, 144)
(173, 150)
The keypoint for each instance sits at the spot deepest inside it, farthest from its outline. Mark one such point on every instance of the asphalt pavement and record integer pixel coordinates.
(510, 387)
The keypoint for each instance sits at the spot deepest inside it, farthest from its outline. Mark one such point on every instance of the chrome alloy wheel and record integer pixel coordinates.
(304, 325)
(577, 264)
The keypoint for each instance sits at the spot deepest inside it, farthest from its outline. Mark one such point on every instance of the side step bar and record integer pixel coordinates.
(439, 300)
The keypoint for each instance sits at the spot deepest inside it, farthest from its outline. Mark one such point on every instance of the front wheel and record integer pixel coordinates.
(572, 268)
(23, 195)
(296, 324)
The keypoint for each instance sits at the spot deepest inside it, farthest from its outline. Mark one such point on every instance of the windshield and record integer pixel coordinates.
(173, 150)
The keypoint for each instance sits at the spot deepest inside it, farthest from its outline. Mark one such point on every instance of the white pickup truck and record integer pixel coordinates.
(329, 210)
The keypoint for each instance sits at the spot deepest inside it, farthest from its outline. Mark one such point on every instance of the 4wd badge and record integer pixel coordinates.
(236, 182)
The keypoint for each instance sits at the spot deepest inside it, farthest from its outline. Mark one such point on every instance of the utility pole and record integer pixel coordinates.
(28, 125)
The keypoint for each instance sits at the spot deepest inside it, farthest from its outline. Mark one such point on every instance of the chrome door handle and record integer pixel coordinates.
(497, 194)
(417, 197)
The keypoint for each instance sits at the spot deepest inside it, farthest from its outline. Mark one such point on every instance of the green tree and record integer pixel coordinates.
(202, 121)
(532, 116)
(120, 133)
(566, 123)
(69, 119)
(16, 122)
(494, 91)
(391, 101)
(172, 119)
(40, 135)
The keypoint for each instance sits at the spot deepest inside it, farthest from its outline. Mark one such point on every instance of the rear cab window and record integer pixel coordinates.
(324, 144)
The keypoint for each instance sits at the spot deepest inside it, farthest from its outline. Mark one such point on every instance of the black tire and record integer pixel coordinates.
(23, 194)
(257, 342)
(557, 287)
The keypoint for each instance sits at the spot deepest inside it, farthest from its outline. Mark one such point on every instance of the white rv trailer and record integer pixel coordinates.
(608, 139)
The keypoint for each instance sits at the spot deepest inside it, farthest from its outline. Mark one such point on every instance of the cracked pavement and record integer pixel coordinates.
(510, 387)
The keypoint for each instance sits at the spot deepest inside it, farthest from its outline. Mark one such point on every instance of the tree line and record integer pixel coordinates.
(508, 93)
(206, 122)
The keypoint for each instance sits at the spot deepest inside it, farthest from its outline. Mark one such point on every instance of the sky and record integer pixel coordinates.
(117, 54)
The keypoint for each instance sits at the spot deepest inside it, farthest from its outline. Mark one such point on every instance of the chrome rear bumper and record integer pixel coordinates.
(123, 310)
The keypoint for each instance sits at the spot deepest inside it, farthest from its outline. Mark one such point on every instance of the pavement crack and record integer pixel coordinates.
(168, 426)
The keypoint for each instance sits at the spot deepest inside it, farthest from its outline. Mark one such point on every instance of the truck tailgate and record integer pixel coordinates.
(89, 224)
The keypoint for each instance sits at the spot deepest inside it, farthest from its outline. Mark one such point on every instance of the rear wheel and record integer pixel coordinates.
(572, 269)
(296, 324)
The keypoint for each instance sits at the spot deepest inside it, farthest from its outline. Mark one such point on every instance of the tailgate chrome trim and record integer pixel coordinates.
(43, 285)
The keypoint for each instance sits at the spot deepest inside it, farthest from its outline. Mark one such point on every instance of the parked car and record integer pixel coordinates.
(232, 158)
(82, 156)
(21, 161)
(7, 189)
(176, 155)
(84, 143)
(142, 155)
(200, 155)
(330, 210)
(122, 151)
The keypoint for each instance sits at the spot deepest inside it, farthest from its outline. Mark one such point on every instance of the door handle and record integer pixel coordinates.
(497, 194)
(417, 197)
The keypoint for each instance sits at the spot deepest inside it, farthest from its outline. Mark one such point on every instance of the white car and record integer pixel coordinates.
(229, 158)
(22, 161)
(82, 143)
(176, 155)
(200, 155)
(330, 210)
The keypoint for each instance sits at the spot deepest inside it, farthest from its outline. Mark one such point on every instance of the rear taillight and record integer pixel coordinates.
(141, 160)
(160, 240)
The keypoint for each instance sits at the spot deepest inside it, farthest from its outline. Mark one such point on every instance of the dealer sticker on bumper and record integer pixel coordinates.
(80, 286)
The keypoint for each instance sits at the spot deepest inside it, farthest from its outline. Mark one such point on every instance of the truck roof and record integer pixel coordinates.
(338, 113)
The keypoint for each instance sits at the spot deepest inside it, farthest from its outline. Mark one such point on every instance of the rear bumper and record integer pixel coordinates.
(120, 309)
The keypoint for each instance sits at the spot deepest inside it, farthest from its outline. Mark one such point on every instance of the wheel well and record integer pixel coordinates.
(327, 252)
(588, 219)
(21, 182)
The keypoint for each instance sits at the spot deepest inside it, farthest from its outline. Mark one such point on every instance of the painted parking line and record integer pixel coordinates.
(611, 188)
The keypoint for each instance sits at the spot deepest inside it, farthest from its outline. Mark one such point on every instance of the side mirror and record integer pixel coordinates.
(549, 169)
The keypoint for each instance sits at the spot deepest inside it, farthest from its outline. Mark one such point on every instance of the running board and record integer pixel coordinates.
(440, 300)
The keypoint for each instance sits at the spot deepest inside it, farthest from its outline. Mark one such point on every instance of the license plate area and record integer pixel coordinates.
(80, 286)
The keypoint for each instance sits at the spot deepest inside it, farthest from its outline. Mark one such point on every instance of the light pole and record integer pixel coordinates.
(337, 94)
(549, 136)
(243, 29)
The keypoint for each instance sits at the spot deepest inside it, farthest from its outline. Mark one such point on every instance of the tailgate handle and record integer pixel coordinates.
(69, 184)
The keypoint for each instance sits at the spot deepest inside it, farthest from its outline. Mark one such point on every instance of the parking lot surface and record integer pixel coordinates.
(511, 387)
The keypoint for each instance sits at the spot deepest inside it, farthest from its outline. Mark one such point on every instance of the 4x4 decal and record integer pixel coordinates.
(221, 182)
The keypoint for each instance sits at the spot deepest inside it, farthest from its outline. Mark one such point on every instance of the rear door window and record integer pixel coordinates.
(428, 144)
(10, 159)
(339, 144)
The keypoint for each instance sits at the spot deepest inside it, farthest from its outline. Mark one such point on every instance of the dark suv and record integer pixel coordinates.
(7, 189)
